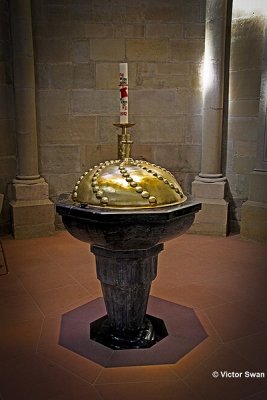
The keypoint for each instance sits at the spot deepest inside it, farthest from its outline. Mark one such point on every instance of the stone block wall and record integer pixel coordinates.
(78, 47)
(244, 93)
(8, 162)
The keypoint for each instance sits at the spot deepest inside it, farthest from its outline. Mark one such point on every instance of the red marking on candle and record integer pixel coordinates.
(123, 91)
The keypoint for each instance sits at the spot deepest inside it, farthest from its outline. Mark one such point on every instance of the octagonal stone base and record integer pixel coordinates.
(182, 324)
(152, 332)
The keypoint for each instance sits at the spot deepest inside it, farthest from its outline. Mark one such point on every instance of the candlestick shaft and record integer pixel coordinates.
(124, 141)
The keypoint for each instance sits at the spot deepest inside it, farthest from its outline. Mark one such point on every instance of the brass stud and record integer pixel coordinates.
(125, 174)
(99, 194)
(139, 189)
(145, 194)
(76, 188)
(177, 190)
(152, 200)
(155, 174)
(93, 184)
(78, 182)
(172, 185)
(96, 174)
(160, 177)
(129, 179)
(149, 170)
(133, 184)
(75, 194)
(95, 189)
(165, 181)
(104, 201)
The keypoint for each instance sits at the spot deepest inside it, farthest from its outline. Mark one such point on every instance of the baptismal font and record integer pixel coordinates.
(126, 209)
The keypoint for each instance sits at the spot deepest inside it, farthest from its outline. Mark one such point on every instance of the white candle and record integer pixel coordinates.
(123, 93)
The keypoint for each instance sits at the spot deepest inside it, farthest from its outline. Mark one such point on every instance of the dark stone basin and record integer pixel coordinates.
(126, 229)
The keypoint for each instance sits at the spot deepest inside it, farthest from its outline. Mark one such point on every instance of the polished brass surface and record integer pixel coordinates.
(126, 183)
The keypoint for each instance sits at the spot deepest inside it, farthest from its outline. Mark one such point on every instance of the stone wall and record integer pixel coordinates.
(8, 162)
(244, 93)
(78, 47)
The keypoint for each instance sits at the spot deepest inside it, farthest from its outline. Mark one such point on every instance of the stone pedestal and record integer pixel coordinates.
(213, 217)
(33, 213)
(126, 277)
(254, 211)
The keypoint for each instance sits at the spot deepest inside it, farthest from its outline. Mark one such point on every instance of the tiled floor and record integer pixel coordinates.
(223, 279)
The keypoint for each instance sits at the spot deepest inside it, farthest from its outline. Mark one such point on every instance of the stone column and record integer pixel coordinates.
(32, 211)
(254, 210)
(209, 186)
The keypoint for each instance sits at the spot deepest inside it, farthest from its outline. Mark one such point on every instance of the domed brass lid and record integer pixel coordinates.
(126, 183)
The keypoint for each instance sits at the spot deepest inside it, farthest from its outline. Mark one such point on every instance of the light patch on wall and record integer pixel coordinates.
(248, 8)
(207, 70)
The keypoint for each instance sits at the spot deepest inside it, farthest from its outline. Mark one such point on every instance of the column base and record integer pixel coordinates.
(32, 212)
(213, 217)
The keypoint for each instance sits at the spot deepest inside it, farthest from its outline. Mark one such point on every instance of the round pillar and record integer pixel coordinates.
(213, 89)
(210, 185)
(24, 89)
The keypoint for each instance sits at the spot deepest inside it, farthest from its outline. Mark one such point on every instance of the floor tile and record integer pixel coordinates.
(194, 295)
(232, 322)
(136, 374)
(49, 348)
(222, 279)
(201, 352)
(262, 395)
(11, 285)
(57, 299)
(202, 382)
(253, 348)
(146, 391)
(40, 379)
(19, 338)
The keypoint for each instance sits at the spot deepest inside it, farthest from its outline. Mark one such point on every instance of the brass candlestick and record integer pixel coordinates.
(124, 141)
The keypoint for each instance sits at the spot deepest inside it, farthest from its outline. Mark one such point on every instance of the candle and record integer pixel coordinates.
(123, 93)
